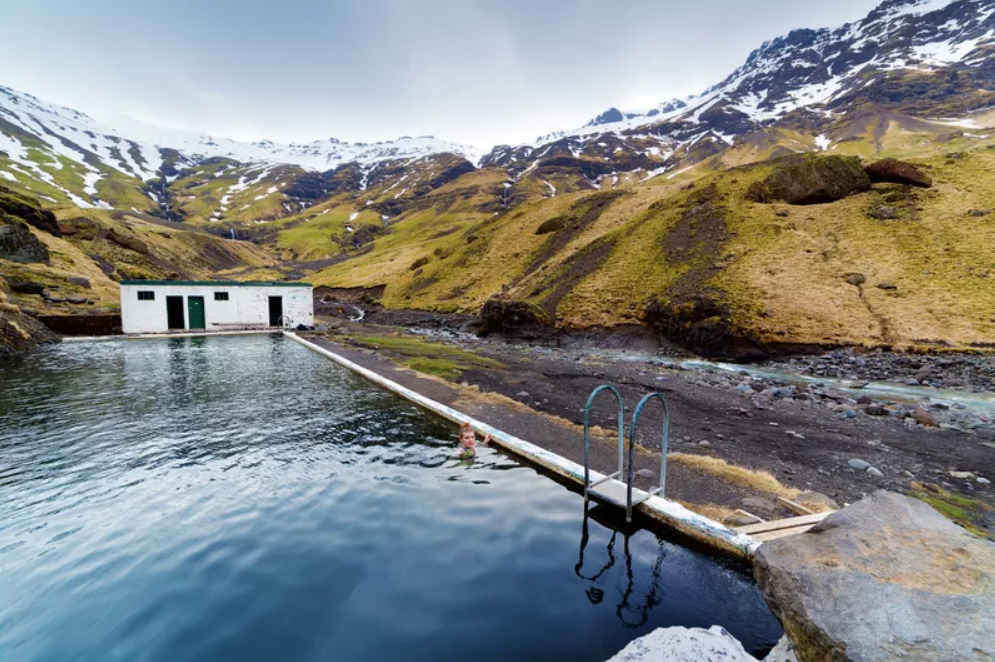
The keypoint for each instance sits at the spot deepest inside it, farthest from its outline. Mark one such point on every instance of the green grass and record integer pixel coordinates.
(974, 515)
(427, 357)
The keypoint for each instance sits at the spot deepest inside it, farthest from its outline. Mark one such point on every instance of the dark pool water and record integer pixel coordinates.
(241, 498)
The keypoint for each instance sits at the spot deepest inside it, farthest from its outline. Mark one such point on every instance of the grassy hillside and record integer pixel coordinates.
(775, 272)
(98, 248)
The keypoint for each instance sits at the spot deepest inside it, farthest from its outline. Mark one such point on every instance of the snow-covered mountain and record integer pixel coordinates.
(917, 59)
(820, 69)
(39, 139)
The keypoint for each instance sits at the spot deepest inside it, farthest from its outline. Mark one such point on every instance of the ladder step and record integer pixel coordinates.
(614, 492)
(605, 479)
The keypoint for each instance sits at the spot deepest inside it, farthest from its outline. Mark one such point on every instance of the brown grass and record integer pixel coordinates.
(761, 481)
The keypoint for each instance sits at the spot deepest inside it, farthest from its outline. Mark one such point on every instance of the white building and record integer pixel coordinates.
(162, 306)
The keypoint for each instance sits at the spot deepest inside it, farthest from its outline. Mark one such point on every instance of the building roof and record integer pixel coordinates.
(214, 283)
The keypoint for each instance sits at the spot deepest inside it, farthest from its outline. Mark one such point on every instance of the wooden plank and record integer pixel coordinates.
(783, 533)
(788, 523)
(796, 508)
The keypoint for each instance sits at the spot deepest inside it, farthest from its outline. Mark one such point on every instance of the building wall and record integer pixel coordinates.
(247, 305)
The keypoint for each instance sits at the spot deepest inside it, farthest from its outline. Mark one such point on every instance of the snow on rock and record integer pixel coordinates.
(822, 142)
(679, 644)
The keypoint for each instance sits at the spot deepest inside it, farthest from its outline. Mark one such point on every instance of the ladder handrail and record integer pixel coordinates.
(663, 448)
(587, 432)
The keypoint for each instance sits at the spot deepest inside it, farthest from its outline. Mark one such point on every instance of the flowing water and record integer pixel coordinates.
(241, 498)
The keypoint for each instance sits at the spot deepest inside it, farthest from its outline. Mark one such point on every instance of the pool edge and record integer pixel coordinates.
(714, 535)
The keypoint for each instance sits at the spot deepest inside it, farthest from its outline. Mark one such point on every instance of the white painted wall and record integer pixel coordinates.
(247, 305)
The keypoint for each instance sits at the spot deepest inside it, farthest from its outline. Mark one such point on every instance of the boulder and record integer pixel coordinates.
(893, 171)
(679, 644)
(79, 282)
(29, 210)
(888, 578)
(703, 324)
(17, 244)
(128, 241)
(25, 286)
(811, 179)
(515, 318)
(552, 225)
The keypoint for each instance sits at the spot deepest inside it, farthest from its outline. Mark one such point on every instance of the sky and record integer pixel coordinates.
(480, 72)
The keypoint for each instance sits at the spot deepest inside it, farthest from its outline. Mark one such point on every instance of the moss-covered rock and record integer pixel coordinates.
(702, 324)
(811, 179)
(17, 244)
(128, 241)
(893, 171)
(19, 332)
(29, 210)
(515, 318)
(552, 225)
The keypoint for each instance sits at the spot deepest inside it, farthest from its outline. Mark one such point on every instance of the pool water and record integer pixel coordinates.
(242, 498)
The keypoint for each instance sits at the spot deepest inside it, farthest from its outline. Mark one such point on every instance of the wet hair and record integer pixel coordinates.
(466, 427)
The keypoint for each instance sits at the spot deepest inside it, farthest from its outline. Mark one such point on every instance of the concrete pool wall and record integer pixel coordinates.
(713, 535)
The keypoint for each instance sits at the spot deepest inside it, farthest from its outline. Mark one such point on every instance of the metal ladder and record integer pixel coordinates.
(610, 488)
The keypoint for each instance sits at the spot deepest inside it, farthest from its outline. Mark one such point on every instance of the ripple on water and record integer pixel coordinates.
(242, 498)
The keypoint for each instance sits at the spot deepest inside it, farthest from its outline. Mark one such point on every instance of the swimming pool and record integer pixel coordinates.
(242, 498)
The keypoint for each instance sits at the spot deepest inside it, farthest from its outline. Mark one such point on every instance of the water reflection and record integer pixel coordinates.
(628, 606)
(242, 498)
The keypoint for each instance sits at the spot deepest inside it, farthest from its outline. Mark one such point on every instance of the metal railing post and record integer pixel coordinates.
(663, 450)
(587, 435)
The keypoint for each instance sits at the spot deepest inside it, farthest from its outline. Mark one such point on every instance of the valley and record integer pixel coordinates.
(834, 192)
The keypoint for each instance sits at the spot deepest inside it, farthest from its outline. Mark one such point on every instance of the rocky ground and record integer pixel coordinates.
(811, 435)
(956, 371)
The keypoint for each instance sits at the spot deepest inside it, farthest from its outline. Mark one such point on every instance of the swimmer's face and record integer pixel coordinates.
(467, 436)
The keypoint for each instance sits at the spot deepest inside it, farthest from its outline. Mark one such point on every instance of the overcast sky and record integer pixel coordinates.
(476, 71)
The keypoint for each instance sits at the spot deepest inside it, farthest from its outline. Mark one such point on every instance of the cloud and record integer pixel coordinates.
(474, 71)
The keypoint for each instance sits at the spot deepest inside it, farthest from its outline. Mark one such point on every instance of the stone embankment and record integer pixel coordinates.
(887, 579)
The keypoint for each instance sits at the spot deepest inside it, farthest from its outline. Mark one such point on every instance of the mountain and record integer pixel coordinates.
(70, 156)
(665, 217)
(828, 72)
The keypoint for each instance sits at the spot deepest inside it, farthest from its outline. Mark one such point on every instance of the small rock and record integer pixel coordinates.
(876, 410)
(874, 471)
(923, 417)
(855, 279)
(888, 287)
(865, 400)
(979, 213)
(859, 465)
(704, 444)
(816, 500)
(759, 503)
(983, 481)
(962, 475)
(783, 393)
(523, 394)
(739, 519)
(908, 474)
(645, 473)
(883, 213)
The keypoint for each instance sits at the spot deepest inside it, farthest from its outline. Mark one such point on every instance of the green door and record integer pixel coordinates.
(195, 312)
